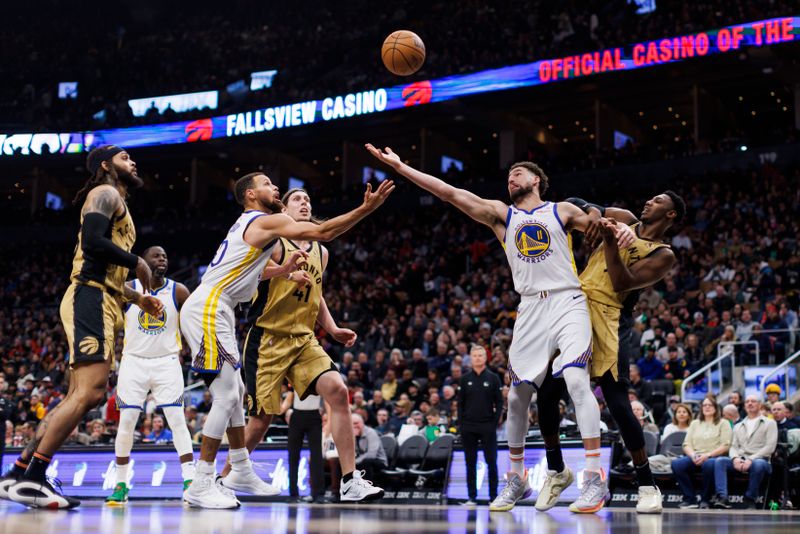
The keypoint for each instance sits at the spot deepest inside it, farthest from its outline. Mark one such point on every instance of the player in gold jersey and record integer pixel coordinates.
(281, 345)
(91, 312)
(611, 281)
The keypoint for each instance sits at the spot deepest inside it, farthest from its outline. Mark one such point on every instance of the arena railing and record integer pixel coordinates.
(707, 371)
(730, 344)
(776, 370)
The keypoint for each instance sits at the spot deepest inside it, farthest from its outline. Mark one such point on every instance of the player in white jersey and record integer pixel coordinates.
(552, 319)
(150, 363)
(208, 324)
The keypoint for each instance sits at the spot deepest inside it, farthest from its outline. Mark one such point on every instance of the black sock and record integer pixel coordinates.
(19, 467)
(555, 461)
(644, 474)
(348, 477)
(38, 467)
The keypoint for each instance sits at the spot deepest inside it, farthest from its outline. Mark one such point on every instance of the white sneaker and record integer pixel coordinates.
(649, 500)
(554, 485)
(203, 493)
(247, 481)
(358, 489)
(516, 489)
(225, 491)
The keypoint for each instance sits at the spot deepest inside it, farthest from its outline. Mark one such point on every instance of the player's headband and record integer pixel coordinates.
(101, 154)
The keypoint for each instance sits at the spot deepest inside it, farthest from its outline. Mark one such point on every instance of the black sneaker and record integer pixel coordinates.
(7, 481)
(749, 504)
(688, 505)
(704, 505)
(41, 494)
(721, 503)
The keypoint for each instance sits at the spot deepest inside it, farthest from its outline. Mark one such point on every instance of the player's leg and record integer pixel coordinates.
(613, 349)
(330, 386)
(559, 476)
(133, 383)
(517, 486)
(21, 463)
(256, 372)
(208, 335)
(167, 386)
(242, 476)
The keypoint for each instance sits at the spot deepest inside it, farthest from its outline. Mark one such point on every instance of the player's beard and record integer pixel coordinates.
(521, 193)
(130, 180)
(276, 206)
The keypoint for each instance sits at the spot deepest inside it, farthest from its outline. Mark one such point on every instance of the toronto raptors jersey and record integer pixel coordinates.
(236, 266)
(153, 337)
(539, 251)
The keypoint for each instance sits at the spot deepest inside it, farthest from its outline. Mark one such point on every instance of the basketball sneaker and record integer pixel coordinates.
(554, 485)
(593, 493)
(358, 489)
(517, 488)
(41, 494)
(247, 481)
(225, 491)
(204, 493)
(649, 500)
(120, 495)
(7, 481)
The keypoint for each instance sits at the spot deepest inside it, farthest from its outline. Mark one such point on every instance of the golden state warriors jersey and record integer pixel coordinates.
(153, 337)
(596, 282)
(539, 251)
(286, 308)
(236, 266)
(89, 270)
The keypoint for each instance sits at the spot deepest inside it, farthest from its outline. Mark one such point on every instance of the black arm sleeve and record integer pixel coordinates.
(584, 206)
(96, 245)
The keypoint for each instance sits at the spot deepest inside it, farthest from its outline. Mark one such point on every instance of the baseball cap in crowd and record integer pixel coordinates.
(674, 398)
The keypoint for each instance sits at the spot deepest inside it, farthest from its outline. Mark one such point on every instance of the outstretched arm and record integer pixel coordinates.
(492, 213)
(643, 273)
(263, 230)
(148, 303)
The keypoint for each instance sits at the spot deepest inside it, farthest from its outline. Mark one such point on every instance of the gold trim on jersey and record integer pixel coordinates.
(210, 348)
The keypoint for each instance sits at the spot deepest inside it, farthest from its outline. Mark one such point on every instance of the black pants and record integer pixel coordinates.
(470, 438)
(306, 423)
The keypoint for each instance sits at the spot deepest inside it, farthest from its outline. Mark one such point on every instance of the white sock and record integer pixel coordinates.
(593, 460)
(187, 470)
(122, 473)
(240, 459)
(517, 464)
(204, 470)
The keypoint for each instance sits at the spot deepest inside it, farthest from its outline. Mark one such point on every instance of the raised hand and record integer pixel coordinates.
(373, 200)
(300, 277)
(151, 305)
(387, 156)
(297, 259)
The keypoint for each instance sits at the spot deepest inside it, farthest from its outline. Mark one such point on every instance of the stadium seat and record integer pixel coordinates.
(389, 443)
(651, 440)
(437, 456)
(410, 455)
(672, 447)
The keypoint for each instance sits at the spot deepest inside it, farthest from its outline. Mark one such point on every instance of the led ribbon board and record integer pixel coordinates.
(634, 56)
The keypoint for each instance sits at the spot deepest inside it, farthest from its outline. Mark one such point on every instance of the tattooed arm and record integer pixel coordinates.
(102, 204)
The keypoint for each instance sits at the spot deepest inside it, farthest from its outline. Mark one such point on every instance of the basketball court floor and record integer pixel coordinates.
(164, 517)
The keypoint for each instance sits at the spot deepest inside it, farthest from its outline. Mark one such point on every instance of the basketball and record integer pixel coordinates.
(403, 53)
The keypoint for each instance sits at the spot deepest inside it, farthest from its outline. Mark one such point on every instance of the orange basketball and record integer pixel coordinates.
(403, 52)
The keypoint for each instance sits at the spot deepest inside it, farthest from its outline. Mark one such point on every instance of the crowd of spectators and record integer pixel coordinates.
(137, 51)
(421, 288)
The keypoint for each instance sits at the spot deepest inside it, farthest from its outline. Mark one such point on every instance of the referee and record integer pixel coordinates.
(480, 406)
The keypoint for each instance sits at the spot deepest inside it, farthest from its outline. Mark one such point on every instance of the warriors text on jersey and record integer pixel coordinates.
(89, 270)
(284, 308)
(208, 321)
(152, 337)
(539, 251)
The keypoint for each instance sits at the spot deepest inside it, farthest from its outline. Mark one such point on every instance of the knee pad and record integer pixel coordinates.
(123, 443)
(519, 401)
(587, 412)
(180, 432)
